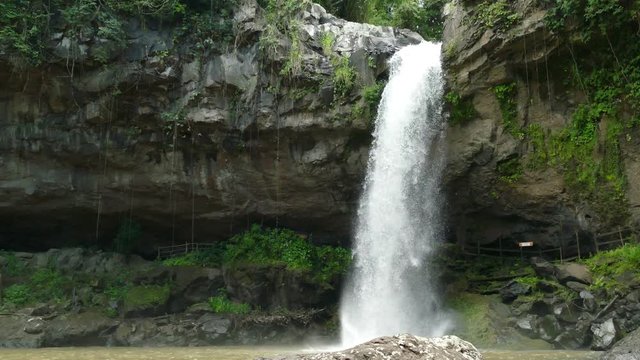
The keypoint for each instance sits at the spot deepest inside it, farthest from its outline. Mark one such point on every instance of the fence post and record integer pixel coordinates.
(561, 255)
(620, 235)
(578, 243)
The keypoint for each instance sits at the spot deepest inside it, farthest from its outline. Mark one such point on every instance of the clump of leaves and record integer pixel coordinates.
(222, 305)
(461, 111)
(506, 95)
(497, 15)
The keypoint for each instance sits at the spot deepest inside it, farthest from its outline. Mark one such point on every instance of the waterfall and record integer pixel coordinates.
(390, 289)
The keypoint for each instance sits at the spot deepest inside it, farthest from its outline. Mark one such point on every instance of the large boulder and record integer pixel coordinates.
(627, 349)
(512, 290)
(405, 347)
(605, 334)
(573, 272)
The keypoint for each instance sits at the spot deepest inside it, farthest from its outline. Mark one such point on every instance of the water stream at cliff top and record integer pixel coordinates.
(390, 289)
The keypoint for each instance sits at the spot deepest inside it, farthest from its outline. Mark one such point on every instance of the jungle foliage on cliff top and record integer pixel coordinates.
(26, 26)
(421, 16)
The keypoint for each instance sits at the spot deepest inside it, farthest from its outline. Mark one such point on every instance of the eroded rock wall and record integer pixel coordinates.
(191, 146)
(496, 191)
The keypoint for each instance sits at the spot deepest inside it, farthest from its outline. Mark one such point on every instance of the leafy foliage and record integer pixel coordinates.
(461, 111)
(506, 95)
(25, 26)
(510, 170)
(203, 258)
(43, 285)
(258, 246)
(222, 305)
(13, 266)
(344, 77)
(140, 296)
(421, 16)
(497, 15)
(17, 294)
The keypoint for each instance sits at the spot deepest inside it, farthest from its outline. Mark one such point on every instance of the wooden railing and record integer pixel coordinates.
(166, 252)
(603, 241)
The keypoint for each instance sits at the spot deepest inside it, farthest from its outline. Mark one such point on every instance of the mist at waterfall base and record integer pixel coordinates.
(390, 290)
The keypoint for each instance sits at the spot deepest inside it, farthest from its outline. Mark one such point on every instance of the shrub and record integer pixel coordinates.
(141, 296)
(269, 246)
(18, 294)
(461, 111)
(222, 305)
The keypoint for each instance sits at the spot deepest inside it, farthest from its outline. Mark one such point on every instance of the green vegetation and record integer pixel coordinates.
(259, 246)
(613, 270)
(17, 294)
(507, 99)
(344, 77)
(43, 285)
(497, 15)
(605, 68)
(372, 95)
(421, 16)
(127, 238)
(475, 323)
(510, 170)
(145, 295)
(203, 258)
(461, 111)
(13, 266)
(26, 26)
(222, 305)
(283, 17)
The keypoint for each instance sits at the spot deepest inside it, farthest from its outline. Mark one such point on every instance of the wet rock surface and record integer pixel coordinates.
(77, 152)
(401, 347)
(178, 312)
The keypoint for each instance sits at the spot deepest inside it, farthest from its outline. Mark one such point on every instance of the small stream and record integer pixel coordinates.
(237, 353)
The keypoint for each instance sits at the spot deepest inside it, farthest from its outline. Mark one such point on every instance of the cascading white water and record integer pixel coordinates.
(390, 290)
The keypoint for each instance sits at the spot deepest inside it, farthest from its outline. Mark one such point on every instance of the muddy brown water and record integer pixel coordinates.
(237, 353)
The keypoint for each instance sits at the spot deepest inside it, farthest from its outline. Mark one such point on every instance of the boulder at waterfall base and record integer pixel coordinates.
(405, 347)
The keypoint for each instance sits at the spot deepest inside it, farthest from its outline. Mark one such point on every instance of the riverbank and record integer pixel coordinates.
(77, 297)
(237, 353)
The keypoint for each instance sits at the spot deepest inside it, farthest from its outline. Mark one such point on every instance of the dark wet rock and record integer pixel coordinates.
(512, 290)
(573, 272)
(605, 334)
(543, 268)
(566, 312)
(34, 325)
(589, 302)
(575, 337)
(626, 349)
(406, 347)
(576, 286)
(235, 121)
(548, 328)
(527, 324)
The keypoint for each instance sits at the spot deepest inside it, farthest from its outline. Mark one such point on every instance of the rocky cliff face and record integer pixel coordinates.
(190, 144)
(511, 97)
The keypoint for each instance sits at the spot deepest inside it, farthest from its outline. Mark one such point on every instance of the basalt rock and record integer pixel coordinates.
(407, 347)
(495, 197)
(187, 146)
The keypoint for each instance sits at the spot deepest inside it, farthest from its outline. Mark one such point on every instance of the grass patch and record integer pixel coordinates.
(222, 305)
(461, 111)
(474, 325)
(148, 295)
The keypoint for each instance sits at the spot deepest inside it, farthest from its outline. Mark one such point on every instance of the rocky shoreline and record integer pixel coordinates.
(108, 299)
